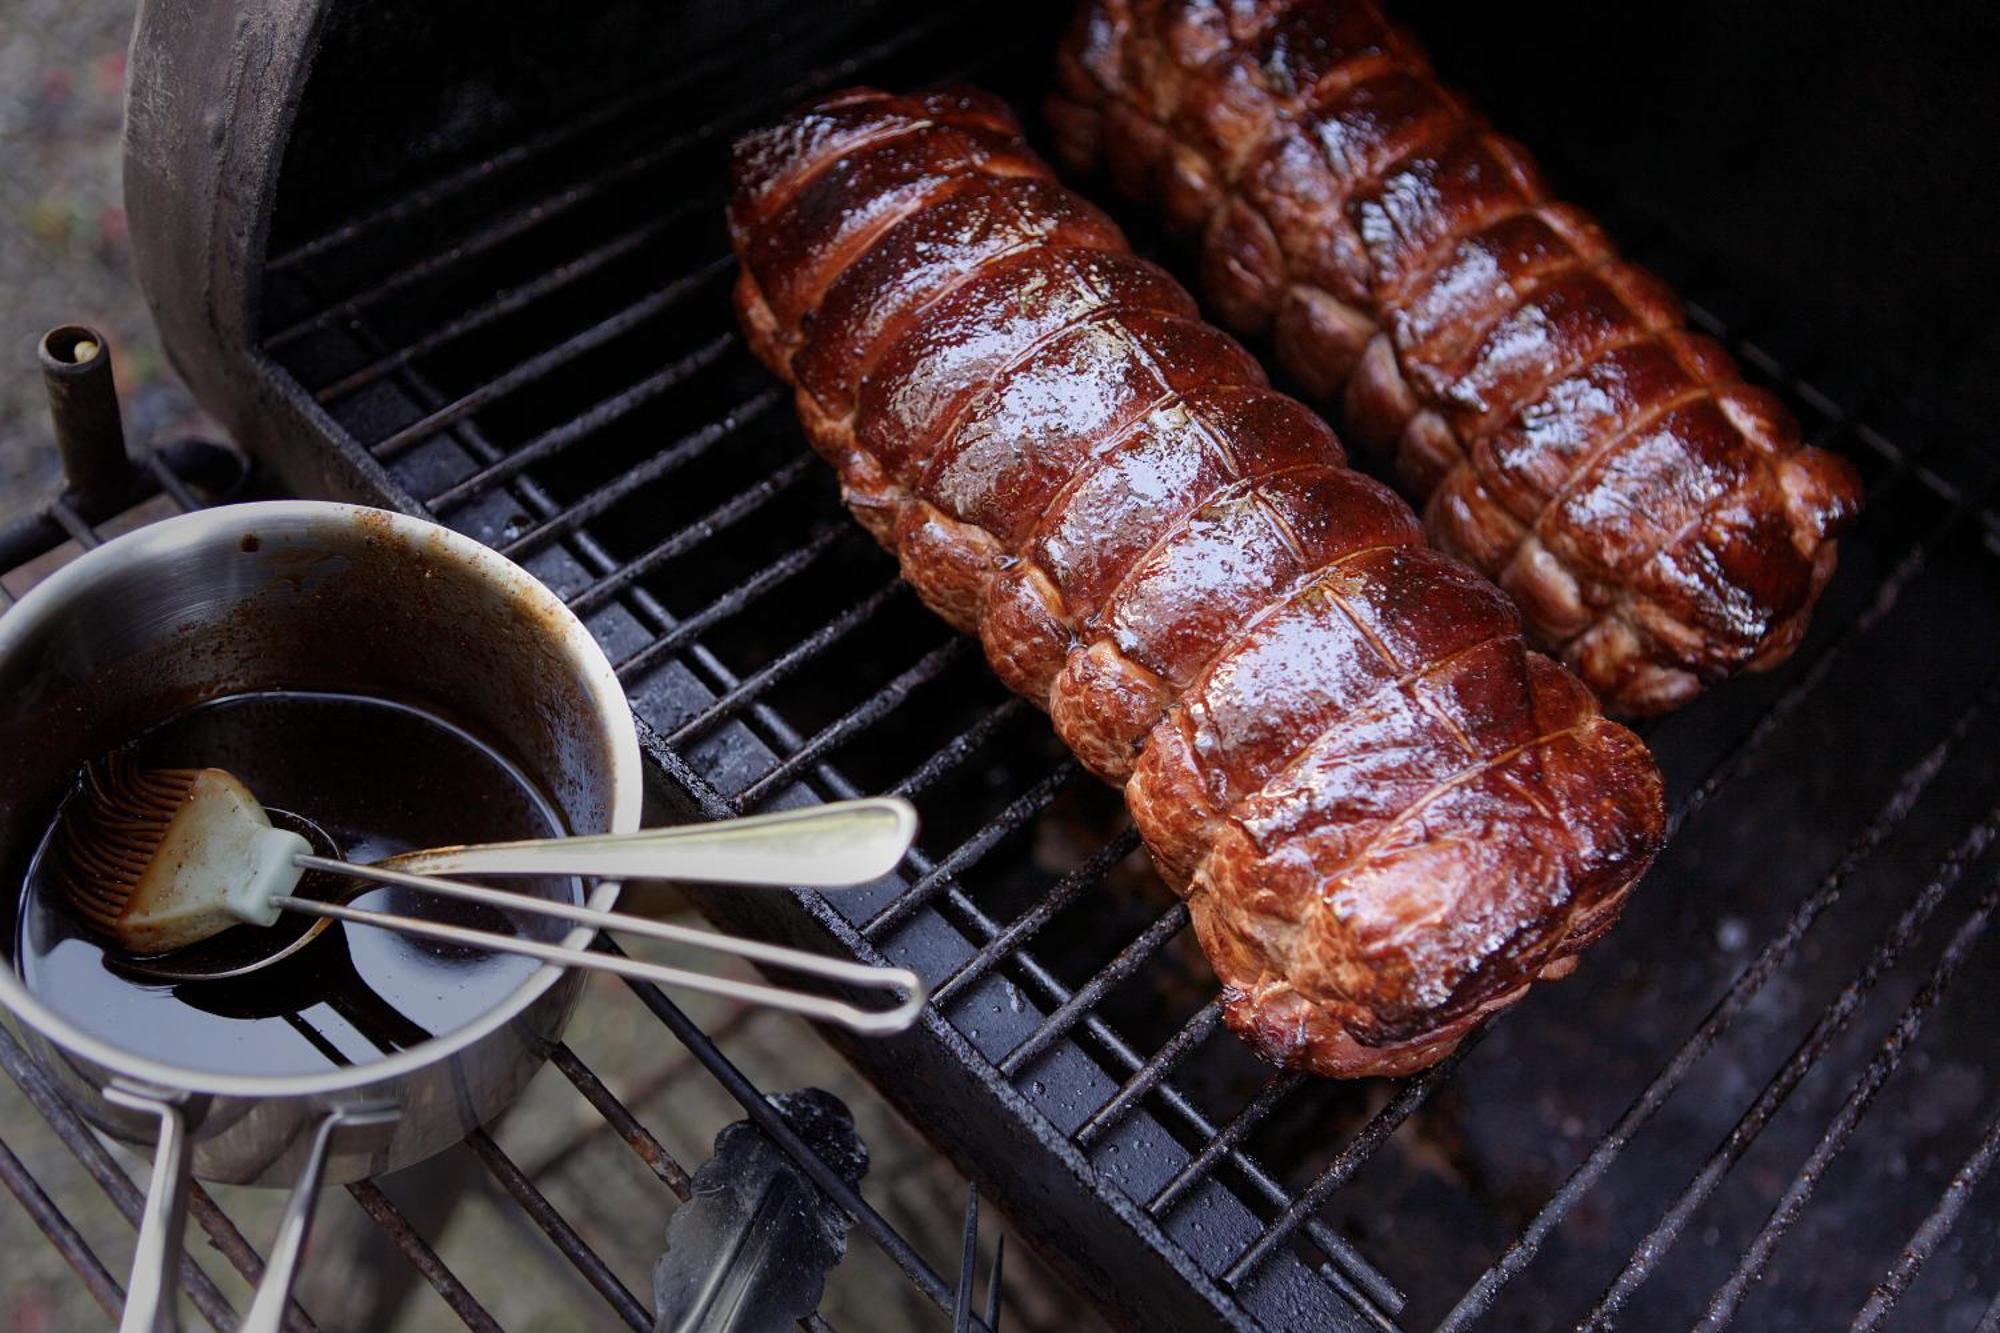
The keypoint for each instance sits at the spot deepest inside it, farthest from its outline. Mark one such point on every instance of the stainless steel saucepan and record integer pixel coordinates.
(301, 596)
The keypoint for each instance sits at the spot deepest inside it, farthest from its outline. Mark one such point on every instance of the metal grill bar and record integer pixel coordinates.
(104, 1169)
(1413, 1093)
(604, 412)
(1831, 1023)
(1066, 891)
(1931, 1233)
(49, 1219)
(659, 465)
(506, 302)
(72, 522)
(548, 207)
(626, 1125)
(766, 1117)
(787, 566)
(523, 373)
(804, 651)
(1129, 960)
(1722, 1309)
(857, 719)
(969, 853)
(717, 520)
(557, 1228)
(429, 196)
(1275, 1089)
(1201, 1025)
(1909, 788)
(422, 1257)
(960, 747)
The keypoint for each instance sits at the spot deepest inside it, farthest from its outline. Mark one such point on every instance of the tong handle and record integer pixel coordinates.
(796, 960)
(822, 846)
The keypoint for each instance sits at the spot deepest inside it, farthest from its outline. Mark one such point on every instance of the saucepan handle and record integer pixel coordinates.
(151, 1295)
(281, 1270)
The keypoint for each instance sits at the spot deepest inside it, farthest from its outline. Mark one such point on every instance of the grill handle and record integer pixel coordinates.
(281, 1269)
(150, 1294)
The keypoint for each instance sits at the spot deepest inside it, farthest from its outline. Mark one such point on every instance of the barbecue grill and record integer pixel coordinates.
(414, 259)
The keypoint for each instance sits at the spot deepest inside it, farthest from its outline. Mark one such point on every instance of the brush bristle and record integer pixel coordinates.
(110, 832)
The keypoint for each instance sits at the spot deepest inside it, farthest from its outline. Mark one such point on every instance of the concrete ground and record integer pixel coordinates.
(64, 253)
(64, 257)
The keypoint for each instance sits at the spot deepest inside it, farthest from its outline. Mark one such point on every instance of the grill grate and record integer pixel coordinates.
(512, 383)
(182, 480)
(539, 371)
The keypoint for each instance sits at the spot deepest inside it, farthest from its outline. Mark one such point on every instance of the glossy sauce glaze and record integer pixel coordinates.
(1389, 817)
(1655, 517)
(379, 778)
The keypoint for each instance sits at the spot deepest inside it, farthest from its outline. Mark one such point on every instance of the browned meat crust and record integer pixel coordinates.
(1388, 815)
(1655, 517)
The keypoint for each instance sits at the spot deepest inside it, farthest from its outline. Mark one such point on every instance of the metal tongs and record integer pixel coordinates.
(197, 881)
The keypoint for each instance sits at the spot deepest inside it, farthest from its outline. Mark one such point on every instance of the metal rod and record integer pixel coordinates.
(422, 1257)
(653, 469)
(783, 665)
(615, 1114)
(1750, 1267)
(553, 206)
(878, 705)
(1909, 788)
(968, 1255)
(1065, 891)
(960, 747)
(83, 1144)
(1831, 1023)
(83, 404)
(785, 568)
(1200, 1026)
(1086, 997)
(1276, 1088)
(524, 373)
(504, 466)
(1413, 1093)
(557, 1228)
(1932, 1233)
(426, 198)
(1014, 817)
(505, 302)
(61, 1233)
(704, 529)
(767, 1118)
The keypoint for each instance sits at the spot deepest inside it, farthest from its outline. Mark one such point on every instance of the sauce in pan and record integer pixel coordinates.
(379, 778)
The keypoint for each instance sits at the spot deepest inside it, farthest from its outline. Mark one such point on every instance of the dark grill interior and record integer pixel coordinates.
(509, 286)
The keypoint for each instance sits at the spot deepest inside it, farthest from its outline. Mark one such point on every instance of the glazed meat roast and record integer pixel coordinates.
(1388, 815)
(1655, 517)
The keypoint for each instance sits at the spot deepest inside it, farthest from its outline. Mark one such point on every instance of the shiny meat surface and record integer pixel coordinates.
(1388, 815)
(1654, 516)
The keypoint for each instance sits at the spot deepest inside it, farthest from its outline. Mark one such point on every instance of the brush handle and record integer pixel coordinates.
(822, 846)
(793, 960)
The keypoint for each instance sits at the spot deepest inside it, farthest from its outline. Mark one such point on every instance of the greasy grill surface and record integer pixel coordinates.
(532, 334)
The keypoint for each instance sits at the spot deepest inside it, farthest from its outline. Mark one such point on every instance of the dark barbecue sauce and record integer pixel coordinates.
(379, 778)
